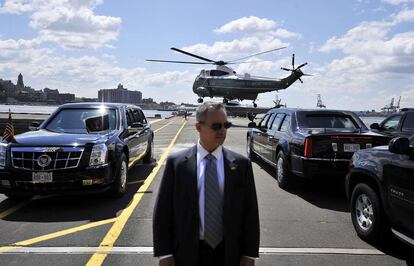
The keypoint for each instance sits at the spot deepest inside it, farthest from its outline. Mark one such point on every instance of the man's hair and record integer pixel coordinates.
(202, 110)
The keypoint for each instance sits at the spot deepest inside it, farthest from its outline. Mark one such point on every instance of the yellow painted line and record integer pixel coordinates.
(116, 229)
(56, 234)
(155, 121)
(169, 123)
(136, 159)
(13, 209)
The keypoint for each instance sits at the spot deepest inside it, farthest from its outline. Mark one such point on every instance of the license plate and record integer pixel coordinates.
(42, 177)
(351, 147)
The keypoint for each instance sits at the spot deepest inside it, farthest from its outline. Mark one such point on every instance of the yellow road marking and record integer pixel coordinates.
(13, 209)
(116, 229)
(155, 121)
(158, 129)
(56, 234)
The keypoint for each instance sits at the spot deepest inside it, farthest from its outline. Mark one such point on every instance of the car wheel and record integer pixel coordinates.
(121, 179)
(366, 213)
(148, 158)
(250, 153)
(283, 176)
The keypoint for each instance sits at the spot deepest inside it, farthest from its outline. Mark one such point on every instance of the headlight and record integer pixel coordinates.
(98, 155)
(3, 151)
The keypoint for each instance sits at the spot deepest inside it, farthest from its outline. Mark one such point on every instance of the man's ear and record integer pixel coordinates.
(198, 126)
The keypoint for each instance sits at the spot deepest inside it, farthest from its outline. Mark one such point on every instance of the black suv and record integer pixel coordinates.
(309, 143)
(400, 124)
(380, 186)
(81, 147)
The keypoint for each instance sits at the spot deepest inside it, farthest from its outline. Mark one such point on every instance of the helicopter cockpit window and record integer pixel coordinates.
(217, 73)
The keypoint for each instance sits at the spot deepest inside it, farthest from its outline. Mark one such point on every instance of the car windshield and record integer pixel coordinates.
(73, 120)
(333, 122)
(411, 140)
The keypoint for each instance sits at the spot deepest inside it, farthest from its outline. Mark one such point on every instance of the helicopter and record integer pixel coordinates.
(226, 83)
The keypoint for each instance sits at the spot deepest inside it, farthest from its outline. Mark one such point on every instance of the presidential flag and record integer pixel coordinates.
(8, 134)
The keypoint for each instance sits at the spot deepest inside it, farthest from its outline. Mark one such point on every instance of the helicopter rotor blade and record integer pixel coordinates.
(293, 61)
(193, 55)
(179, 62)
(257, 54)
(287, 69)
(304, 64)
(309, 75)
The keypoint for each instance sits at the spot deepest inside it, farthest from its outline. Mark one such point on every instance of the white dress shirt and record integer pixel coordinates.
(201, 164)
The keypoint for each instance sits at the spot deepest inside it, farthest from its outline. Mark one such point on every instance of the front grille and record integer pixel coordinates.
(45, 158)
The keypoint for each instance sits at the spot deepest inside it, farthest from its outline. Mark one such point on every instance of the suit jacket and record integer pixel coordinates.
(176, 215)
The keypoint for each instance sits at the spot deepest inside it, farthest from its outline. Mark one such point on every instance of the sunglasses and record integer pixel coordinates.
(218, 126)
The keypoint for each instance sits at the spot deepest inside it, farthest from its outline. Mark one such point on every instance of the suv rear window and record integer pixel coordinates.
(408, 125)
(327, 121)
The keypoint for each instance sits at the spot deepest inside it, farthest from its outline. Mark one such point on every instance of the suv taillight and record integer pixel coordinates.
(307, 150)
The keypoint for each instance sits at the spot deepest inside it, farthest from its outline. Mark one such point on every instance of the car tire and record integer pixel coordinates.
(367, 214)
(283, 176)
(148, 158)
(250, 153)
(119, 186)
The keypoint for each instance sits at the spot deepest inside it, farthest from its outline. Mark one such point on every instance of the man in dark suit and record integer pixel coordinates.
(206, 212)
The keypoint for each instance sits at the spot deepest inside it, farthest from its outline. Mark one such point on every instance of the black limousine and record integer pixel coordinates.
(380, 186)
(309, 143)
(81, 147)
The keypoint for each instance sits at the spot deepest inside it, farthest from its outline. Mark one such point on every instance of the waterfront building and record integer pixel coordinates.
(120, 95)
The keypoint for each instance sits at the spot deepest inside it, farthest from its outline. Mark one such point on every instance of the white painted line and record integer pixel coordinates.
(148, 251)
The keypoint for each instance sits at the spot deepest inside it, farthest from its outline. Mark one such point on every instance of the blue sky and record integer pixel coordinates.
(361, 53)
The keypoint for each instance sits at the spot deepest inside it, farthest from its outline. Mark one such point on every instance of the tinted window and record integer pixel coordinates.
(264, 120)
(129, 117)
(408, 125)
(285, 124)
(392, 123)
(73, 120)
(328, 121)
(269, 122)
(276, 121)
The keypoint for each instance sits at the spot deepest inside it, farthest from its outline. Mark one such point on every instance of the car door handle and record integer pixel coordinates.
(271, 137)
(259, 134)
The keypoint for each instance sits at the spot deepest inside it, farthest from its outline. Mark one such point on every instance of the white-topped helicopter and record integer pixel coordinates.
(226, 83)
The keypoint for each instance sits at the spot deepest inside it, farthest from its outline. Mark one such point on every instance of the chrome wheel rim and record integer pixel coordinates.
(248, 147)
(280, 170)
(364, 212)
(152, 149)
(123, 175)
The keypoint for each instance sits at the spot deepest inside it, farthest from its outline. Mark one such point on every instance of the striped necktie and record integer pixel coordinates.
(213, 204)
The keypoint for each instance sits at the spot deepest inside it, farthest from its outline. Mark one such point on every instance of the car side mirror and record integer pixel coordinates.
(399, 145)
(375, 126)
(252, 125)
(34, 126)
(137, 125)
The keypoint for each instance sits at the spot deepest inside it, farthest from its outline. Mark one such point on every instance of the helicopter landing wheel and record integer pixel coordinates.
(200, 100)
(254, 104)
(225, 101)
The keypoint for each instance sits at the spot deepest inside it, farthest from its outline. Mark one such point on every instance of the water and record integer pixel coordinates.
(368, 120)
(47, 109)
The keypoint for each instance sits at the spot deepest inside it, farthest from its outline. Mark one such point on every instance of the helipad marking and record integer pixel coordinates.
(55, 235)
(149, 251)
(116, 229)
(155, 121)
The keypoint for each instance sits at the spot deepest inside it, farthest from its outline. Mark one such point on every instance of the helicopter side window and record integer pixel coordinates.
(217, 73)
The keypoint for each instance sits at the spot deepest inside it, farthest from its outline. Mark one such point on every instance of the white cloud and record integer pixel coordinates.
(397, 2)
(69, 23)
(16, 6)
(285, 34)
(405, 15)
(250, 24)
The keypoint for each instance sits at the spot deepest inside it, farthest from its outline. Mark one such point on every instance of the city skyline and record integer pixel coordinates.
(359, 52)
